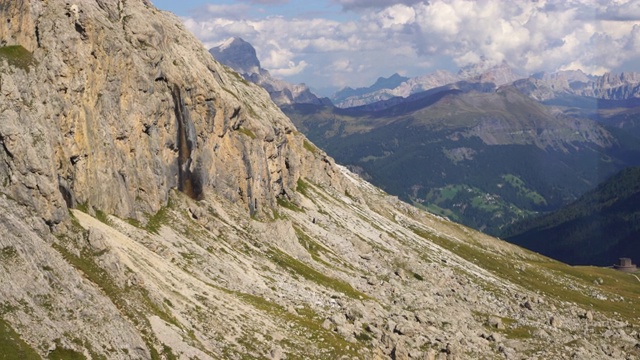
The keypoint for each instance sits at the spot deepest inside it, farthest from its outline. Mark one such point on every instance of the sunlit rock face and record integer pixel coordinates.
(119, 105)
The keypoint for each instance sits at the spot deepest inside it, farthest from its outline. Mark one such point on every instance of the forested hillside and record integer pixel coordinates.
(598, 228)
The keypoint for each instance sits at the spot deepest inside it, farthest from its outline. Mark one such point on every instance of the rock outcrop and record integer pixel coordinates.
(18, 26)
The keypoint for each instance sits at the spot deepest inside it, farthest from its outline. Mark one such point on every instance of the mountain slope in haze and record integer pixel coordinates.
(598, 228)
(380, 84)
(483, 157)
(608, 86)
(241, 57)
(481, 73)
(156, 206)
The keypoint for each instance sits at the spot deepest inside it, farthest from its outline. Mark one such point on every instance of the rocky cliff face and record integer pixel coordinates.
(241, 57)
(115, 111)
(156, 206)
(18, 25)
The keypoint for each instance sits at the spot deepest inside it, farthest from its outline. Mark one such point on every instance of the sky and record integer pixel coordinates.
(330, 44)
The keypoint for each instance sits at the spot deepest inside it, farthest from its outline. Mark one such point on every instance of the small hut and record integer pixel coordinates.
(625, 265)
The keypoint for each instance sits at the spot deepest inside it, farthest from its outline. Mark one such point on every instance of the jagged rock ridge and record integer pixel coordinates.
(156, 206)
(241, 57)
(609, 86)
(482, 73)
(381, 84)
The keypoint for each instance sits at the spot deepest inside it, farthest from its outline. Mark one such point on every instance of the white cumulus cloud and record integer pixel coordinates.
(415, 37)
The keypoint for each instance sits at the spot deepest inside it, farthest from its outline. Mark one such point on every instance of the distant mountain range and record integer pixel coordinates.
(487, 155)
(380, 85)
(487, 146)
(541, 86)
(396, 88)
(598, 228)
(241, 57)
(544, 86)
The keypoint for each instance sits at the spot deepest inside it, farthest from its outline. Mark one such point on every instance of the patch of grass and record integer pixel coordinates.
(310, 323)
(8, 253)
(103, 217)
(511, 329)
(12, 346)
(310, 147)
(135, 223)
(188, 256)
(231, 92)
(156, 221)
(83, 207)
(62, 353)
(93, 272)
(17, 56)
(364, 337)
(121, 298)
(314, 248)
(152, 307)
(286, 261)
(249, 347)
(288, 204)
(519, 332)
(302, 187)
(247, 132)
(277, 215)
(551, 278)
(523, 190)
(6, 308)
(168, 353)
(240, 78)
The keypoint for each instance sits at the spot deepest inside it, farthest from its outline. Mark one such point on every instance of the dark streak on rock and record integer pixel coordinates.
(188, 182)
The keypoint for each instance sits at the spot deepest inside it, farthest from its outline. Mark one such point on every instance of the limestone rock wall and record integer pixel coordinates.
(120, 105)
(17, 26)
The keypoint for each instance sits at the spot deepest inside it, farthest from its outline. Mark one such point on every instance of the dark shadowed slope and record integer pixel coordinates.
(598, 228)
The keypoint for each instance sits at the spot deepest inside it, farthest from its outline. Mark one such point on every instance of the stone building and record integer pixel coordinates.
(625, 265)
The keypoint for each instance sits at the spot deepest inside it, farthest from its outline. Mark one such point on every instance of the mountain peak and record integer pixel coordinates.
(390, 82)
(233, 41)
(237, 54)
(382, 83)
(241, 56)
(486, 71)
